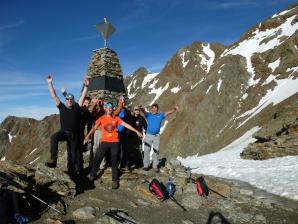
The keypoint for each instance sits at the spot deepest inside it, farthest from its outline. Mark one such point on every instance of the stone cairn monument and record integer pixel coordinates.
(106, 77)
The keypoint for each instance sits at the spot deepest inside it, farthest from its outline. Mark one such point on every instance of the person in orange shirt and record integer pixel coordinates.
(110, 141)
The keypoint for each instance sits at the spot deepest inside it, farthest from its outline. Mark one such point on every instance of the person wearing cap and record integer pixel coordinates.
(110, 141)
(85, 123)
(154, 120)
(70, 116)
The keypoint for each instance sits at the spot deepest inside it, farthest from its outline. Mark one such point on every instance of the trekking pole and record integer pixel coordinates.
(24, 191)
(49, 206)
(217, 193)
(181, 206)
(114, 215)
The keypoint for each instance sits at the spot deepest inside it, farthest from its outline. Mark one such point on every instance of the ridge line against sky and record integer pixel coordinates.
(51, 36)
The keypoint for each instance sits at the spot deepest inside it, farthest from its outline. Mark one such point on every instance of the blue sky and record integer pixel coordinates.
(58, 36)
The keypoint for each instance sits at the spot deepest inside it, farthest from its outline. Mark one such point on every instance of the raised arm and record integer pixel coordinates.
(171, 111)
(84, 92)
(63, 91)
(129, 127)
(52, 90)
(120, 106)
(142, 109)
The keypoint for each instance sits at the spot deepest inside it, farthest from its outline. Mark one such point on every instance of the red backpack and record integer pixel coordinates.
(202, 187)
(157, 188)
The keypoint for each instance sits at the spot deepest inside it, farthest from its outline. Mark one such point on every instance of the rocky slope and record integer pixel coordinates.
(229, 202)
(27, 140)
(284, 142)
(223, 91)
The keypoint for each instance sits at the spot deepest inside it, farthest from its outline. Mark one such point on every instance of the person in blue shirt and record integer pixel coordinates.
(154, 121)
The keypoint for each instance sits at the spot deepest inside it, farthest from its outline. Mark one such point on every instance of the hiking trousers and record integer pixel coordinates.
(72, 139)
(95, 147)
(113, 147)
(151, 141)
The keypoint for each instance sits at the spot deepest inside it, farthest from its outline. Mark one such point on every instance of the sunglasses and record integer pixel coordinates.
(136, 109)
(69, 99)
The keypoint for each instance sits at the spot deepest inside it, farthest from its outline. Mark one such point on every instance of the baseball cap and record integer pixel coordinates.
(69, 96)
(109, 104)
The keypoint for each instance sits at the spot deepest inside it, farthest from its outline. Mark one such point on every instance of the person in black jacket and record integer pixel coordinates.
(139, 123)
(70, 121)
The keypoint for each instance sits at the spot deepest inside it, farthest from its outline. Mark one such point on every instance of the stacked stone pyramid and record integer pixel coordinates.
(106, 77)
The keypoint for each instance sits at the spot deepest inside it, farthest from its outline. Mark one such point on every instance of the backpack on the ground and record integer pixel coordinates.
(202, 187)
(171, 188)
(158, 189)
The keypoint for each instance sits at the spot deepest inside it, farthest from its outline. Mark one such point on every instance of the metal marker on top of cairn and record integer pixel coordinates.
(106, 77)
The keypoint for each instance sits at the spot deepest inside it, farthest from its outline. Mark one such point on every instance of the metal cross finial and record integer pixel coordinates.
(106, 29)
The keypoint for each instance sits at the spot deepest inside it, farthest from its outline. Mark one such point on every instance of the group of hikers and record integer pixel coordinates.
(114, 135)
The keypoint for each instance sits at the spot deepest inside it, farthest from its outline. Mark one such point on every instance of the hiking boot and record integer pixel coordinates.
(51, 163)
(115, 184)
(146, 168)
(90, 177)
(156, 170)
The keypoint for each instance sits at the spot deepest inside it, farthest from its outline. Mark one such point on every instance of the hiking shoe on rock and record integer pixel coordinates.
(146, 168)
(115, 184)
(51, 163)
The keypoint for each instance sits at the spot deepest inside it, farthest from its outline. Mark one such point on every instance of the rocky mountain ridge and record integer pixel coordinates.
(218, 88)
(224, 91)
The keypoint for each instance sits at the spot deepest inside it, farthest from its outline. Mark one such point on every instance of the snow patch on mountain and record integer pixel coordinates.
(262, 41)
(209, 89)
(10, 136)
(245, 95)
(148, 78)
(197, 83)
(184, 63)
(277, 176)
(33, 161)
(293, 69)
(175, 89)
(163, 127)
(274, 65)
(219, 84)
(131, 84)
(207, 58)
(158, 92)
(269, 79)
(281, 13)
(31, 152)
(132, 95)
(283, 90)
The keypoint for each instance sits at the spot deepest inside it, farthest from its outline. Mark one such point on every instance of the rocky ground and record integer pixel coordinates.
(243, 203)
(282, 142)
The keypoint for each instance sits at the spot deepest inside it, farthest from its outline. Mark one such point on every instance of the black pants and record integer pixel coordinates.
(135, 151)
(72, 149)
(123, 157)
(103, 149)
(81, 150)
